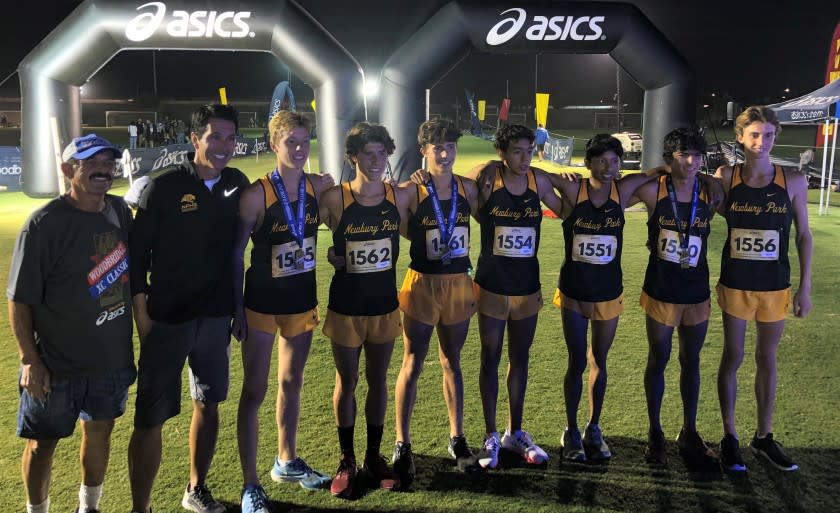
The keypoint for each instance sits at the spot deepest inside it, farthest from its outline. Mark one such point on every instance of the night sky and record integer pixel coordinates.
(747, 50)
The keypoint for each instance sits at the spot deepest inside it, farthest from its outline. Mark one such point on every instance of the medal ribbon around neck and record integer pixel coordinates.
(296, 224)
(446, 229)
(672, 195)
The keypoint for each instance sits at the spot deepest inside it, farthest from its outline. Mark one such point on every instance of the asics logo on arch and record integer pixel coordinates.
(196, 24)
(542, 28)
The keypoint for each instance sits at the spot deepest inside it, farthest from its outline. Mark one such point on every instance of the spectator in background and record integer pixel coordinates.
(540, 138)
(132, 136)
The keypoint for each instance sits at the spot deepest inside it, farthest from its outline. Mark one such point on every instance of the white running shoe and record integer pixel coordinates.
(521, 443)
(488, 457)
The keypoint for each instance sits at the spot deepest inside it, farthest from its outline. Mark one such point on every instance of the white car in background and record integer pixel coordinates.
(632, 145)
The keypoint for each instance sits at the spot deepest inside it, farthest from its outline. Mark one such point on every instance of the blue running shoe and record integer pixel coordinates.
(297, 471)
(254, 500)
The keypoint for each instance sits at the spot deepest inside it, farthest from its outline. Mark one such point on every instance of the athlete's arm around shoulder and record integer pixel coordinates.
(409, 190)
(547, 195)
(403, 197)
(797, 186)
(724, 175)
(320, 183)
(567, 188)
(330, 206)
(471, 193)
(648, 194)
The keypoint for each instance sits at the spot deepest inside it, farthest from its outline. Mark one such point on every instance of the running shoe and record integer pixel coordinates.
(345, 478)
(521, 443)
(593, 443)
(403, 461)
(379, 473)
(458, 448)
(694, 449)
(730, 454)
(656, 452)
(297, 471)
(772, 451)
(572, 446)
(200, 500)
(488, 456)
(254, 499)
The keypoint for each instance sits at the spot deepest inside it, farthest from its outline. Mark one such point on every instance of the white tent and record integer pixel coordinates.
(810, 109)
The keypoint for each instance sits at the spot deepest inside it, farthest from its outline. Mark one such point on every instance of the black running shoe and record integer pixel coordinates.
(772, 451)
(730, 454)
(694, 449)
(465, 460)
(403, 462)
(656, 452)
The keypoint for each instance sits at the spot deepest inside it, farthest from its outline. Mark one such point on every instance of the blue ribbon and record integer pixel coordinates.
(446, 229)
(295, 224)
(695, 194)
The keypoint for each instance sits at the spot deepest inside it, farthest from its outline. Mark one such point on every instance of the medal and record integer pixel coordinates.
(300, 259)
(684, 261)
(445, 228)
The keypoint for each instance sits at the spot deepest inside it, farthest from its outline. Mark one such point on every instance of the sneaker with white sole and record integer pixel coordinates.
(572, 446)
(297, 471)
(465, 459)
(200, 500)
(593, 443)
(521, 443)
(254, 499)
(488, 456)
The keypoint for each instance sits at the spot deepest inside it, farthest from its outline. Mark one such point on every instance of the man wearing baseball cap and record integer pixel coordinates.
(70, 311)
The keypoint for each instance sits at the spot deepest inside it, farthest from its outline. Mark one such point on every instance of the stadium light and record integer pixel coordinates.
(370, 88)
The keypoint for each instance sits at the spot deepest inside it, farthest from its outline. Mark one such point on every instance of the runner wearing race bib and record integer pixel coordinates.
(676, 289)
(508, 283)
(437, 290)
(364, 216)
(762, 200)
(279, 212)
(590, 288)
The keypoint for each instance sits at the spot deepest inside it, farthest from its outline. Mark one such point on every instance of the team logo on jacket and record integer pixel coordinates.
(188, 203)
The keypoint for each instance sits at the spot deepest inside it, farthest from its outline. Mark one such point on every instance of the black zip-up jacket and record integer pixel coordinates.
(183, 233)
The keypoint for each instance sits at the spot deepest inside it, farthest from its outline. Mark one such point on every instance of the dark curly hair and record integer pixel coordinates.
(436, 131)
(364, 133)
(511, 133)
(602, 143)
(202, 115)
(683, 139)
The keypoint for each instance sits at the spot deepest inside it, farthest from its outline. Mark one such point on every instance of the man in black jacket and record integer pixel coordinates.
(184, 234)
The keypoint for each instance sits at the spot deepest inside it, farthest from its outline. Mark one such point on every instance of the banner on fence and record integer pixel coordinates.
(10, 169)
(559, 151)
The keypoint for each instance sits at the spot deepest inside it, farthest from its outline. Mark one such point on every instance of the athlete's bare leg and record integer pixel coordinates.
(492, 334)
(256, 361)
(768, 335)
(603, 334)
(575, 328)
(416, 336)
(452, 338)
(659, 352)
(691, 342)
(291, 359)
(520, 338)
(734, 331)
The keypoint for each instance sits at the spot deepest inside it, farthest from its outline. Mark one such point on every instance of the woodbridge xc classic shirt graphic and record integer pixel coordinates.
(71, 268)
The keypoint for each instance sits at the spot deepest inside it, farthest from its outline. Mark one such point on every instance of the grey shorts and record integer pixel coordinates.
(205, 343)
(70, 399)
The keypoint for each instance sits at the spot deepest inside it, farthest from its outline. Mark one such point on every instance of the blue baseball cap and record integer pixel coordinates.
(81, 148)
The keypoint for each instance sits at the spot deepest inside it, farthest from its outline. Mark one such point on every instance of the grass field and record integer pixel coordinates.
(807, 410)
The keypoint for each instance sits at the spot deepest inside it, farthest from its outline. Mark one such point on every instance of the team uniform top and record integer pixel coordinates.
(510, 238)
(368, 237)
(274, 284)
(755, 254)
(71, 267)
(184, 234)
(426, 247)
(665, 280)
(593, 238)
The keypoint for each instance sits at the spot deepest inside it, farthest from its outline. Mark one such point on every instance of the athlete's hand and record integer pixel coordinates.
(801, 303)
(326, 181)
(419, 177)
(568, 176)
(715, 189)
(335, 260)
(144, 324)
(239, 329)
(35, 379)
